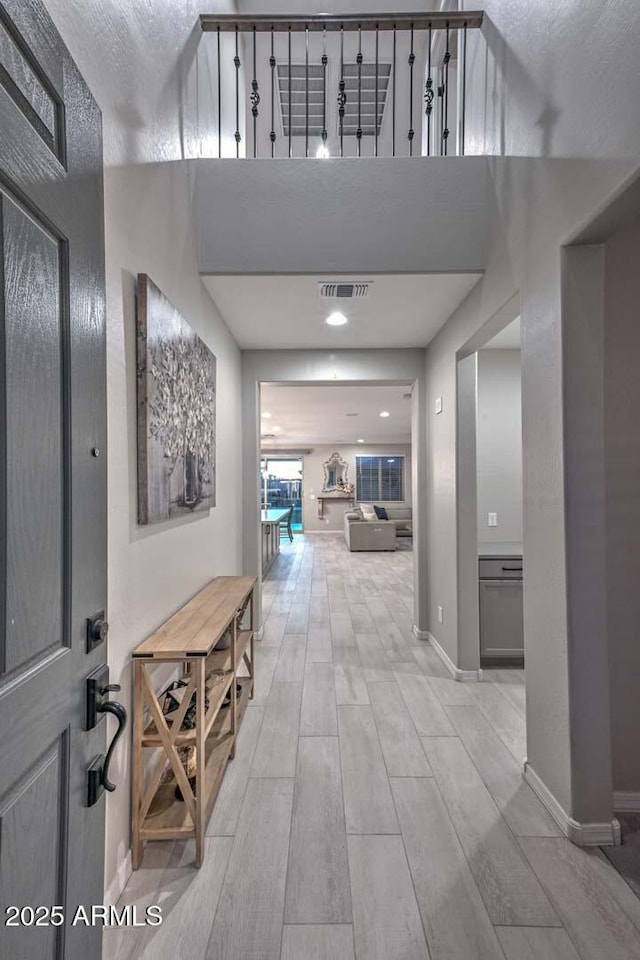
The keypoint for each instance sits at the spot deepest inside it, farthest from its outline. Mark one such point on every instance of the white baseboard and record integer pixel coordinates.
(463, 676)
(625, 801)
(311, 533)
(119, 881)
(420, 634)
(583, 834)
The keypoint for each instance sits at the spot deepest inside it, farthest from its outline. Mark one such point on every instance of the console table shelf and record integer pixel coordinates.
(340, 499)
(187, 640)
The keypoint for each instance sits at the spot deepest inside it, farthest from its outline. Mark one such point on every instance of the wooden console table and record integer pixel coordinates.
(187, 640)
(341, 499)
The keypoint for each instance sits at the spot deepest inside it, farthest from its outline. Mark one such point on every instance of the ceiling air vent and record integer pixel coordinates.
(343, 290)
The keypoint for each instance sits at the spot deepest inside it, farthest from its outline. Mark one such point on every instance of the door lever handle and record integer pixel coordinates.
(119, 712)
(97, 704)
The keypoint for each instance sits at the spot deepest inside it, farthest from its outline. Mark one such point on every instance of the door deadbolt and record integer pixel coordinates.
(97, 630)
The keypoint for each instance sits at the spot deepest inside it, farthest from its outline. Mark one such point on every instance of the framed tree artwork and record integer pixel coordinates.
(176, 382)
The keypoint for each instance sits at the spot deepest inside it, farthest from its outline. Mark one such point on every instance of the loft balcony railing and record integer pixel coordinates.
(346, 86)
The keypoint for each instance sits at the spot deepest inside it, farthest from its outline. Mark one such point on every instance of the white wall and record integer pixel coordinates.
(313, 478)
(499, 446)
(424, 215)
(571, 144)
(138, 63)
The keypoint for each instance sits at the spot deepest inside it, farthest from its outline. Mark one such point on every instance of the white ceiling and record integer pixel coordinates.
(280, 312)
(507, 339)
(319, 414)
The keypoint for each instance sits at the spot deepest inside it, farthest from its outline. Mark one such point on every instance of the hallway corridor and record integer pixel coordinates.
(375, 809)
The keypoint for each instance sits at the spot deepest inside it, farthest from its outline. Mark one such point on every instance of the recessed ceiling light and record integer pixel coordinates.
(385, 413)
(322, 152)
(336, 319)
(361, 441)
(267, 416)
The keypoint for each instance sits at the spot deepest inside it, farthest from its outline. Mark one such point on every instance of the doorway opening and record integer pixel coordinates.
(356, 443)
(499, 499)
(490, 500)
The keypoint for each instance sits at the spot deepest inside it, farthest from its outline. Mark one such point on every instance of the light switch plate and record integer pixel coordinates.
(492, 520)
(438, 404)
(440, 614)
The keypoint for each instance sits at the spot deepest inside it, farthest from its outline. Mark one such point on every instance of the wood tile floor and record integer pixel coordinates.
(375, 809)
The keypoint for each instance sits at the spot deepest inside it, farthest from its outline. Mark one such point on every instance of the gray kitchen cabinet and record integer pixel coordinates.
(501, 614)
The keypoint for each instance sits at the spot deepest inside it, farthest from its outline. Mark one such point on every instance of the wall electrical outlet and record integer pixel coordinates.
(492, 520)
(440, 614)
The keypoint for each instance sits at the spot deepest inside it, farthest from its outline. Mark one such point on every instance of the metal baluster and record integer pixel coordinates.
(393, 102)
(219, 101)
(342, 96)
(290, 124)
(464, 89)
(428, 96)
(441, 96)
(412, 60)
(447, 57)
(255, 99)
(306, 89)
(325, 61)
(376, 116)
(272, 64)
(236, 60)
(359, 62)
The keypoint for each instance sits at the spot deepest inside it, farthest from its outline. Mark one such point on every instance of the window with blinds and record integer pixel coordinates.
(380, 479)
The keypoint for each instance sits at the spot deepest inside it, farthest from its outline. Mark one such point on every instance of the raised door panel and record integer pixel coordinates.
(35, 425)
(32, 819)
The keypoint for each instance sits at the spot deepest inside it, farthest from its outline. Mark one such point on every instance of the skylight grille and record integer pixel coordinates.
(367, 97)
(368, 117)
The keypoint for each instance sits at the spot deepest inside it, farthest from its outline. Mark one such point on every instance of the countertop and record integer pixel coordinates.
(274, 514)
(488, 551)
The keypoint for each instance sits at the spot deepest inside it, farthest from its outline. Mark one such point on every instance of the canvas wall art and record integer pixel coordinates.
(176, 378)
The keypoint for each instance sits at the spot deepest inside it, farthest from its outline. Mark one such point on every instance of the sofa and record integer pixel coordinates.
(362, 534)
(403, 519)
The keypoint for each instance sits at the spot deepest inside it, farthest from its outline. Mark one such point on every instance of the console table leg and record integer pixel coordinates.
(201, 799)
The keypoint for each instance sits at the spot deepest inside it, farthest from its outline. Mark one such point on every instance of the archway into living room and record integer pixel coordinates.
(399, 371)
(336, 515)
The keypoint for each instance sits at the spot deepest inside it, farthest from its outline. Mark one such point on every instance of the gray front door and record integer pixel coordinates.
(52, 488)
